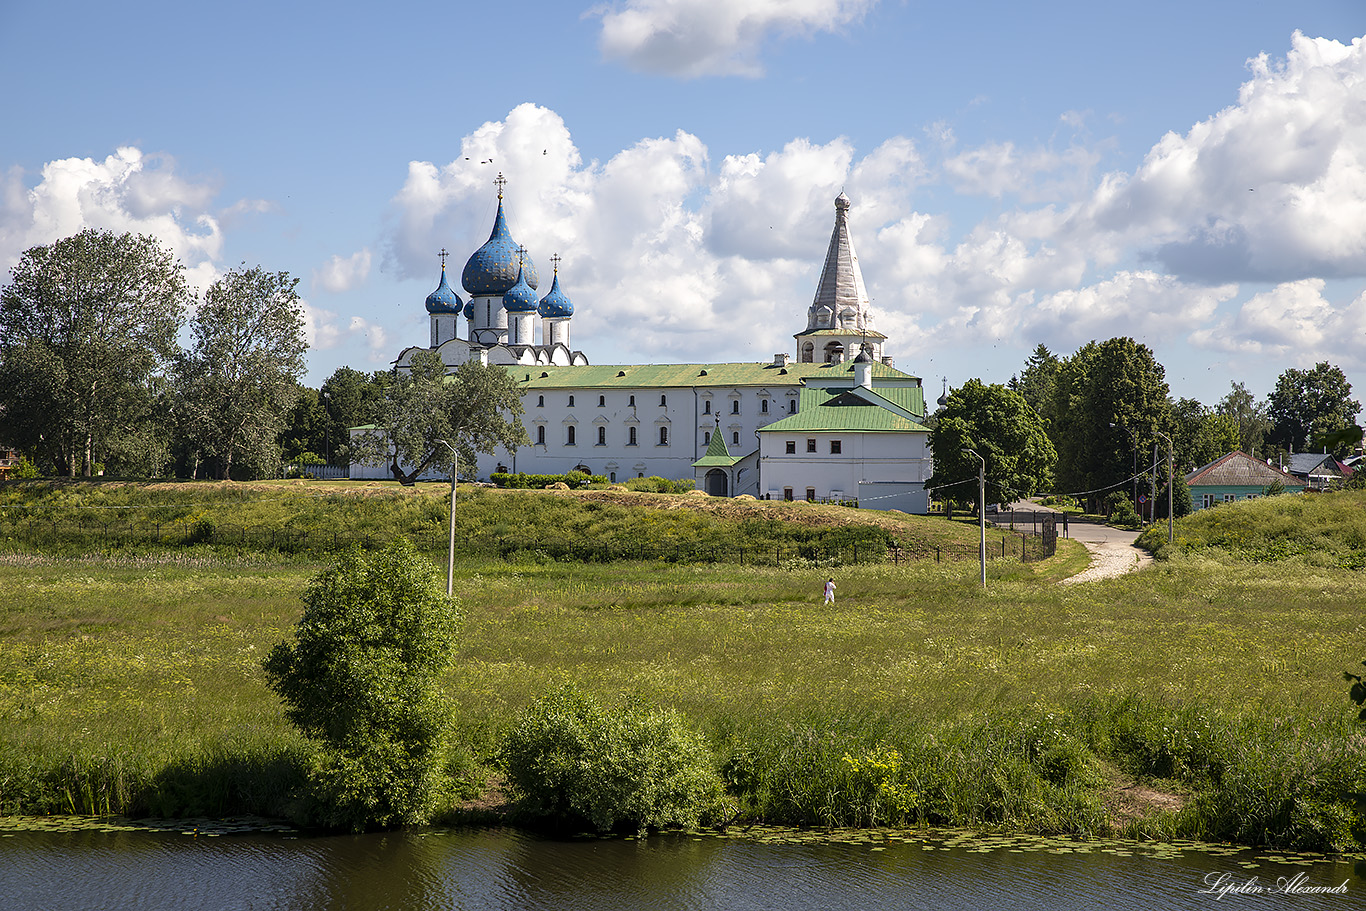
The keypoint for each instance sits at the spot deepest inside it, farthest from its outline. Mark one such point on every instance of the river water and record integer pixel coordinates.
(499, 869)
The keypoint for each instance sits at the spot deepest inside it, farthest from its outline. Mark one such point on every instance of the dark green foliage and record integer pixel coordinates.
(1309, 405)
(1248, 415)
(1109, 400)
(361, 681)
(240, 378)
(87, 325)
(656, 484)
(572, 762)
(1182, 505)
(1358, 691)
(523, 481)
(428, 416)
(1001, 427)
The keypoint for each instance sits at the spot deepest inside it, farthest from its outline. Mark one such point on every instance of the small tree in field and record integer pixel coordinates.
(360, 681)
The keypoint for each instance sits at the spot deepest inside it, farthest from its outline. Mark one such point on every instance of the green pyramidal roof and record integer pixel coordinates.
(717, 453)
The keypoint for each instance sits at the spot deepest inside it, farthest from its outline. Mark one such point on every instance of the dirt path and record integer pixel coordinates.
(1110, 559)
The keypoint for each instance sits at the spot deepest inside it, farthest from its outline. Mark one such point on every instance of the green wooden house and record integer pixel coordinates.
(1236, 476)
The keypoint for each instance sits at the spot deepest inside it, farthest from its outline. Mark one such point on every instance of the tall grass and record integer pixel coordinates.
(131, 683)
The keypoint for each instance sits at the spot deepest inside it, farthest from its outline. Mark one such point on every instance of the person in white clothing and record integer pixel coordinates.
(830, 591)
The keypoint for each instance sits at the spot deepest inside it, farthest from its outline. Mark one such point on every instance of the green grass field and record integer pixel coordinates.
(130, 681)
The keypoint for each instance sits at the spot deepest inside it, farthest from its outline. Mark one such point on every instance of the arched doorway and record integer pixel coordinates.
(717, 485)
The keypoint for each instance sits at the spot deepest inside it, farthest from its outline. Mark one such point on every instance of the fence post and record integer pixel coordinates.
(936, 553)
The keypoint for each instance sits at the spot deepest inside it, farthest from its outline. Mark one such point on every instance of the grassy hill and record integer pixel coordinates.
(1312, 529)
(518, 524)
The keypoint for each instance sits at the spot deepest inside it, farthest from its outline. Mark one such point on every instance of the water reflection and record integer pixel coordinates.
(506, 870)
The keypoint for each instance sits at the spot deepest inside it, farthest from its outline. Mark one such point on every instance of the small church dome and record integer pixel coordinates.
(443, 299)
(469, 309)
(555, 303)
(521, 297)
(493, 268)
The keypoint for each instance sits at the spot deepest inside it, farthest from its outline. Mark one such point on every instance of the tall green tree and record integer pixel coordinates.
(1310, 404)
(241, 375)
(476, 409)
(352, 398)
(362, 681)
(86, 325)
(998, 424)
(1037, 380)
(1109, 396)
(1200, 435)
(1248, 415)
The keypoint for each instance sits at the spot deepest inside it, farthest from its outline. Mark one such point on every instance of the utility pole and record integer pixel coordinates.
(981, 513)
(1170, 537)
(450, 553)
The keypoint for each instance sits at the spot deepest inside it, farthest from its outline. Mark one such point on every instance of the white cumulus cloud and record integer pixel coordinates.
(691, 38)
(342, 273)
(127, 191)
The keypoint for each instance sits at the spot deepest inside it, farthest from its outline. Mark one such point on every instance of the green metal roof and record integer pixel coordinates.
(684, 376)
(717, 454)
(824, 409)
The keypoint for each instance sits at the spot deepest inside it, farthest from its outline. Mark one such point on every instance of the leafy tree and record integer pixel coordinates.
(475, 410)
(306, 427)
(1105, 392)
(1182, 505)
(1248, 415)
(241, 376)
(352, 398)
(361, 680)
(1200, 435)
(86, 324)
(1310, 404)
(1036, 382)
(1000, 426)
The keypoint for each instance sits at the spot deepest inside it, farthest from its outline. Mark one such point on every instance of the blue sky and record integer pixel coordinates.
(1189, 174)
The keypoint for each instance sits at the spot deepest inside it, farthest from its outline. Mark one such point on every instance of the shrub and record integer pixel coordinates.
(572, 762)
(25, 470)
(361, 682)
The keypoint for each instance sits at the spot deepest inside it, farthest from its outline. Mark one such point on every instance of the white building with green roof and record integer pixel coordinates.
(862, 415)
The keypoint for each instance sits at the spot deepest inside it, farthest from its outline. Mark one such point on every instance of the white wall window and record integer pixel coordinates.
(763, 406)
(569, 436)
(663, 436)
(631, 436)
(602, 436)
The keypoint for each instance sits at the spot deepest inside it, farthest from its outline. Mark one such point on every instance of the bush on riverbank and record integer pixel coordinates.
(572, 762)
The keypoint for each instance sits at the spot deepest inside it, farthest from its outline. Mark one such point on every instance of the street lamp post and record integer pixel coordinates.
(1170, 537)
(981, 513)
(450, 553)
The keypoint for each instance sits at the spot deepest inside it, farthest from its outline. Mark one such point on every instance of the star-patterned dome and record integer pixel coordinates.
(443, 299)
(493, 268)
(521, 297)
(555, 303)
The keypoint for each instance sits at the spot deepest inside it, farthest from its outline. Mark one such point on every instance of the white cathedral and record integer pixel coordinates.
(835, 422)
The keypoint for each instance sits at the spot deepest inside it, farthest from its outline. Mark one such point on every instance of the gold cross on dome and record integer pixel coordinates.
(443, 259)
(500, 182)
(555, 262)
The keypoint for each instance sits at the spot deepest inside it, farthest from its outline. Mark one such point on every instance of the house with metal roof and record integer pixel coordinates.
(705, 421)
(1236, 476)
(1316, 469)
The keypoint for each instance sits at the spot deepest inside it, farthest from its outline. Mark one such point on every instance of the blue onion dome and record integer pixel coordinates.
(443, 299)
(555, 303)
(493, 268)
(521, 297)
(469, 309)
